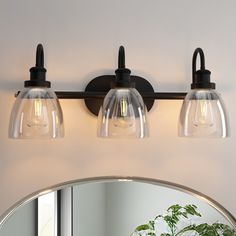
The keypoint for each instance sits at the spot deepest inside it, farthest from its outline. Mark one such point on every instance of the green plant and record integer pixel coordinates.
(175, 214)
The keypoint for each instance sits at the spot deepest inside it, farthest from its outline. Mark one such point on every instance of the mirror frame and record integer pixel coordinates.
(217, 206)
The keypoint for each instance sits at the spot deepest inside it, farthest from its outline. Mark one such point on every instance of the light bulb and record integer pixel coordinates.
(203, 114)
(123, 107)
(37, 117)
(123, 116)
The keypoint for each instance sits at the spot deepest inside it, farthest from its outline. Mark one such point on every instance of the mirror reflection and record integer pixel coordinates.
(119, 208)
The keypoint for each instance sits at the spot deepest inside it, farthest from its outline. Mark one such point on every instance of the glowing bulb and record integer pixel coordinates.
(38, 114)
(203, 114)
(37, 107)
(124, 114)
(123, 107)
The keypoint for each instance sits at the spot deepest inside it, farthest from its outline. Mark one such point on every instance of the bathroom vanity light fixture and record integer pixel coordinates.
(122, 100)
(202, 113)
(123, 113)
(36, 112)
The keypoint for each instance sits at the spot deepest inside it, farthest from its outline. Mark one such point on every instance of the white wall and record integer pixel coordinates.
(81, 40)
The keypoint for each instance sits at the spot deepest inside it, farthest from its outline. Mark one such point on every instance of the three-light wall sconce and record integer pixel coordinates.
(120, 101)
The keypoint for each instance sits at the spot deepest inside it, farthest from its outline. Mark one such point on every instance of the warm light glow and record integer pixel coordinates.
(123, 117)
(123, 107)
(38, 107)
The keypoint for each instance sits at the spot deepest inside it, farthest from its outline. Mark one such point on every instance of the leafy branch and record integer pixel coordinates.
(174, 215)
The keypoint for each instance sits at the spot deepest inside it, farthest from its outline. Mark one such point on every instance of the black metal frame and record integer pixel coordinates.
(94, 100)
(97, 88)
(101, 95)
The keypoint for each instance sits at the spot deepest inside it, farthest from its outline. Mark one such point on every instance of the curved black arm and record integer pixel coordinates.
(194, 61)
(39, 56)
(121, 58)
(201, 78)
(38, 72)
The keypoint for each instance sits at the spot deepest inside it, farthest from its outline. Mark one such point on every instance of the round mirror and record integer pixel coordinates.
(117, 206)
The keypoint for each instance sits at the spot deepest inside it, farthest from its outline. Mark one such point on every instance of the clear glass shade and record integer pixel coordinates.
(123, 114)
(36, 114)
(203, 115)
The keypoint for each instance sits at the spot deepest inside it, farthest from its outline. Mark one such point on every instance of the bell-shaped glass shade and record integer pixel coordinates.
(36, 114)
(203, 115)
(123, 114)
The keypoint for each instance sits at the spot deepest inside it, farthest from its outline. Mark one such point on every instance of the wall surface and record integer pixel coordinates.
(81, 40)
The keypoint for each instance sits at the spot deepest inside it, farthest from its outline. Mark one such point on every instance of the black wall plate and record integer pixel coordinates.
(104, 84)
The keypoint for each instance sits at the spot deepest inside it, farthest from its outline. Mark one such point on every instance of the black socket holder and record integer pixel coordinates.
(202, 80)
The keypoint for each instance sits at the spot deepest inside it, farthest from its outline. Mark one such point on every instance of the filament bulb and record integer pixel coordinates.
(203, 115)
(123, 116)
(37, 117)
(123, 107)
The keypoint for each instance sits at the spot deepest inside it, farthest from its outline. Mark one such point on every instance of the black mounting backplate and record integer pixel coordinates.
(104, 84)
